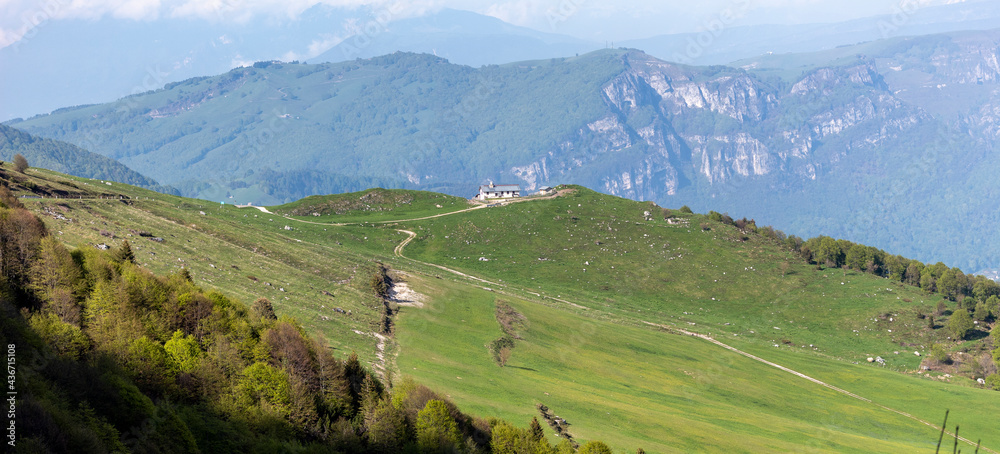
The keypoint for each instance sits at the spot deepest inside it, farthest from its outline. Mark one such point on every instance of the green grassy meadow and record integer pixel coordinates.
(590, 273)
(600, 252)
(373, 205)
(642, 387)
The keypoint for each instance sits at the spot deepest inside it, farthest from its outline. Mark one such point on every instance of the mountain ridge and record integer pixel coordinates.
(798, 128)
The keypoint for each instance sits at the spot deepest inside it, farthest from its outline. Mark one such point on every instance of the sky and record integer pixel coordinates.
(594, 20)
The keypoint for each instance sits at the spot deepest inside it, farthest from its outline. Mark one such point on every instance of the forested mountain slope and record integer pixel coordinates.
(68, 158)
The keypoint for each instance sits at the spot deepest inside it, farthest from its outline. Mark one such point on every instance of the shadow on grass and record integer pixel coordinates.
(976, 334)
(522, 368)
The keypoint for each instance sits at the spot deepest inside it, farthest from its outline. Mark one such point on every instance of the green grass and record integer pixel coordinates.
(373, 205)
(601, 366)
(640, 387)
(602, 252)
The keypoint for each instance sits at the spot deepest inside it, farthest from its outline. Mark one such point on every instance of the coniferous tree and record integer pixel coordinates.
(537, 433)
(124, 253)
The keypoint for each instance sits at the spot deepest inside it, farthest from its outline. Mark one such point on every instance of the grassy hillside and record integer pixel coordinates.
(104, 356)
(606, 254)
(604, 290)
(373, 205)
(68, 158)
(307, 272)
(593, 274)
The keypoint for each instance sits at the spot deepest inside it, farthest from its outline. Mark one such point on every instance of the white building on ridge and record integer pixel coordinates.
(499, 191)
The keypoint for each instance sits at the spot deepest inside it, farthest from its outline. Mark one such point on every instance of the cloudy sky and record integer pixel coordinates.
(589, 19)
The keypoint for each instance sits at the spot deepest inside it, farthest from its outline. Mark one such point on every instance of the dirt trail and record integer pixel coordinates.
(342, 224)
(399, 247)
(679, 331)
(411, 235)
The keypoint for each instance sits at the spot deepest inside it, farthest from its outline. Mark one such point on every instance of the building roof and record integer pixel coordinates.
(500, 188)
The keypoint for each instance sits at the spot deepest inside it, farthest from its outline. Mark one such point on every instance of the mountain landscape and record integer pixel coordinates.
(51, 68)
(254, 227)
(875, 125)
(723, 40)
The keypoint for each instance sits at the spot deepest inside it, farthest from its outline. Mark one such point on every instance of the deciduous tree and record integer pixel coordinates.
(20, 163)
(595, 447)
(960, 323)
(184, 351)
(262, 308)
(436, 429)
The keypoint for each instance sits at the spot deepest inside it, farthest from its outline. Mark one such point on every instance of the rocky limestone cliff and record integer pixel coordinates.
(669, 126)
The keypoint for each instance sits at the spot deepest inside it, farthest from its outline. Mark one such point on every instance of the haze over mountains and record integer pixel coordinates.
(52, 68)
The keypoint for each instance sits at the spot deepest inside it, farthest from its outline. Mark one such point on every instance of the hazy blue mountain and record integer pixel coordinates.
(723, 40)
(888, 143)
(68, 158)
(462, 37)
(54, 68)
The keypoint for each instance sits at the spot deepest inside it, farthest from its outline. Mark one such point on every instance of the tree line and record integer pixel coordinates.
(977, 297)
(824, 251)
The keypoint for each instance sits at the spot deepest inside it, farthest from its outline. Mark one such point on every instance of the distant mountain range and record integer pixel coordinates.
(54, 67)
(460, 37)
(889, 143)
(723, 40)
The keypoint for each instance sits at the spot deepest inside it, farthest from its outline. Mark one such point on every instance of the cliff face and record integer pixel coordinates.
(670, 126)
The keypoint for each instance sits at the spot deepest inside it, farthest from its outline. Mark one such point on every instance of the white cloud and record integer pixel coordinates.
(137, 9)
(517, 12)
(322, 45)
(600, 17)
(238, 61)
